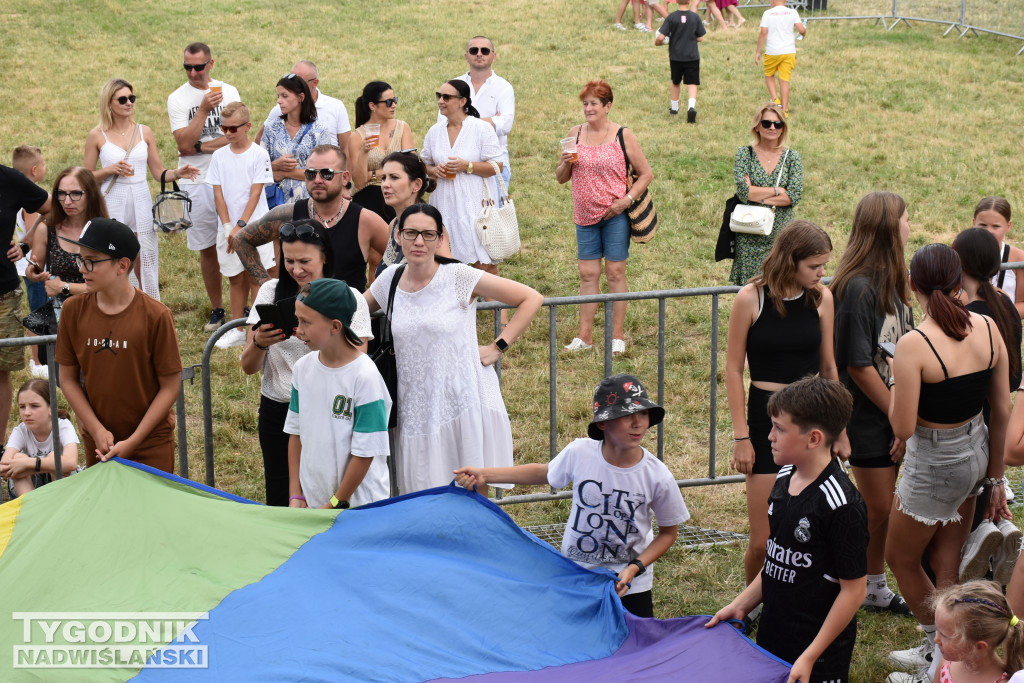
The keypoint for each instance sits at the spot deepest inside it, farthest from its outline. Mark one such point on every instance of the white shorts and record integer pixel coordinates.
(205, 223)
(231, 265)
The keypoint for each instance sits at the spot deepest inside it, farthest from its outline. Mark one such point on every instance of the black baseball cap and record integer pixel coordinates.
(111, 237)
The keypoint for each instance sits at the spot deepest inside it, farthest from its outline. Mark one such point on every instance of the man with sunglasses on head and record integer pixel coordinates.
(195, 113)
(492, 96)
(352, 229)
(330, 111)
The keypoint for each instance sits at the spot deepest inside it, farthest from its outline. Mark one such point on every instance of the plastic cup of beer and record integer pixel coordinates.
(450, 175)
(569, 145)
(373, 134)
(216, 86)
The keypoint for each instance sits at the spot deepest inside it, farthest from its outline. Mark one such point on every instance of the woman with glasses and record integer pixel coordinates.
(290, 139)
(307, 254)
(599, 199)
(124, 150)
(770, 174)
(456, 152)
(366, 150)
(450, 410)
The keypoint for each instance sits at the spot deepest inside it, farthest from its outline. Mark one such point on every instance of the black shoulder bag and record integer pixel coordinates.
(384, 357)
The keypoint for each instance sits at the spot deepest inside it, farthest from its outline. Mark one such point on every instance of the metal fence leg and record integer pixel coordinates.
(187, 373)
(713, 408)
(51, 367)
(608, 314)
(661, 375)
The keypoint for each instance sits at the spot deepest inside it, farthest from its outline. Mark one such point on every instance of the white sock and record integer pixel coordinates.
(879, 592)
(691, 103)
(674, 104)
(934, 667)
(929, 630)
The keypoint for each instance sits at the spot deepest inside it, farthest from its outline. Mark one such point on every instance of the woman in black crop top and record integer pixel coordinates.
(782, 323)
(943, 372)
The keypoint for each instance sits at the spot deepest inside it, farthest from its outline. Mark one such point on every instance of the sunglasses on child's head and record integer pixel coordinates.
(768, 124)
(234, 129)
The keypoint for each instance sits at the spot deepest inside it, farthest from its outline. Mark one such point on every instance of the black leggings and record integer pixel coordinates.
(639, 604)
(274, 444)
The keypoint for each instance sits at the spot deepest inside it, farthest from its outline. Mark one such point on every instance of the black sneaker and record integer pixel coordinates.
(216, 320)
(673, 111)
(896, 606)
(245, 313)
(691, 115)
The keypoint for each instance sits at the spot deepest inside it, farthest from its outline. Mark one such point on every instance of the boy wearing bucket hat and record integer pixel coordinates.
(619, 488)
(338, 413)
(118, 353)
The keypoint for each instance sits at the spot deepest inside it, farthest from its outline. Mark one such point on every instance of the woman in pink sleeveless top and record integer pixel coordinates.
(599, 196)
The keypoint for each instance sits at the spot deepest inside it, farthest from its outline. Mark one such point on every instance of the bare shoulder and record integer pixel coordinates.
(1016, 253)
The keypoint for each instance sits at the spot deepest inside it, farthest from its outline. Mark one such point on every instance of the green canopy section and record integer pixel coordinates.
(115, 540)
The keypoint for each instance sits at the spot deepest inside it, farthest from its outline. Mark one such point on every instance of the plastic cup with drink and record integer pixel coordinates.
(372, 134)
(569, 145)
(216, 86)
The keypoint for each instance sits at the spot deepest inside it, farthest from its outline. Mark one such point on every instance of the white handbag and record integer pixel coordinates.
(497, 227)
(756, 219)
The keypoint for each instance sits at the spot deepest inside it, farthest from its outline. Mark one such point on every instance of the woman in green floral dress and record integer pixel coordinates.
(756, 171)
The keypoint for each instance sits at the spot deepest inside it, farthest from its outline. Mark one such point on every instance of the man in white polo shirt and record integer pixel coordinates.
(194, 110)
(330, 111)
(492, 95)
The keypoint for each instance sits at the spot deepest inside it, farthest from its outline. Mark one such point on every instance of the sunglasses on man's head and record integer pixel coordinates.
(196, 67)
(234, 129)
(389, 102)
(125, 99)
(445, 96)
(290, 231)
(326, 173)
(482, 50)
(768, 124)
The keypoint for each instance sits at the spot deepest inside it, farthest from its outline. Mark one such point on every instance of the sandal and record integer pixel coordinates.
(618, 345)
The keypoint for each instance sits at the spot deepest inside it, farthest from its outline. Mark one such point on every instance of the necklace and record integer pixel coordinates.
(326, 221)
(122, 133)
(603, 134)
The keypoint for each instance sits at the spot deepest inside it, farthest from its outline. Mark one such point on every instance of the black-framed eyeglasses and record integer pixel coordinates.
(196, 67)
(482, 50)
(87, 264)
(445, 96)
(768, 124)
(410, 235)
(234, 129)
(74, 195)
(326, 173)
(290, 231)
(390, 102)
(125, 99)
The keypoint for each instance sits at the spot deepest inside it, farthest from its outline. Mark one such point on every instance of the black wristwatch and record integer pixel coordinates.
(339, 504)
(639, 565)
(501, 344)
(240, 223)
(66, 290)
(199, 146)
(25, 248)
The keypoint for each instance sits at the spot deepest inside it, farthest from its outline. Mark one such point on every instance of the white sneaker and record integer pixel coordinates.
(235, 337)
(619, 27)
(578, 344)
(1008, 489)
(980, 547)
(920, 676)
(1005, 558)
(915, 657)
(38, 370)
(618, 345)
(643, 29)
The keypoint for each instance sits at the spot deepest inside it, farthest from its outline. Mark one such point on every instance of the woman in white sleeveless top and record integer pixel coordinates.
(124, 150)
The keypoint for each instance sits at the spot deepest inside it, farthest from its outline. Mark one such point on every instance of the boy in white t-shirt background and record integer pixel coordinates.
(776, 39)
(619, 488)
(238, 173)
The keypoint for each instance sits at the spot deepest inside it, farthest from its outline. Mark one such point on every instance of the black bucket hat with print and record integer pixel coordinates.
(618, 396)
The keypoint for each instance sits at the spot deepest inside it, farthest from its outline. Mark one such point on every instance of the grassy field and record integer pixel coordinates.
(935, 119)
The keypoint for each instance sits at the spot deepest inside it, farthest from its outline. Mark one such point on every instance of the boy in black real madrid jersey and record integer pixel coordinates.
(815, 575)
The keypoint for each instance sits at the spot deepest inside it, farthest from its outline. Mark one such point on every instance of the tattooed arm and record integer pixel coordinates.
(259, 232)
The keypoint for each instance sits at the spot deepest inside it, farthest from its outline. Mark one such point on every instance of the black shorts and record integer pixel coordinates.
(759, 425)
(639, 604)
(687, 72)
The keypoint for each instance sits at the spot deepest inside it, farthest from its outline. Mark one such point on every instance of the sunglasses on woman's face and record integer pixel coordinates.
(125, 99)
(389, 102)
(768, 124)
(234, 129)
(482, 50)
(290, 231)
(326, 173)
(445, 96)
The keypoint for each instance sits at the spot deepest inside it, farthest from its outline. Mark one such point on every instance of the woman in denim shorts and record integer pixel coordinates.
(943, 372)
(600, 198)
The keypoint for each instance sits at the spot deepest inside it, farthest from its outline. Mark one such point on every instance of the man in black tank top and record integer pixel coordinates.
(353, 231)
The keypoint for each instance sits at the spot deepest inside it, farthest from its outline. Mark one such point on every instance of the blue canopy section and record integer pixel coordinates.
(437, 584)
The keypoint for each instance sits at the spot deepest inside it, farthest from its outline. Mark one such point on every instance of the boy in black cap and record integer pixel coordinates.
(338, 413)
(619, 488)
(118, 353)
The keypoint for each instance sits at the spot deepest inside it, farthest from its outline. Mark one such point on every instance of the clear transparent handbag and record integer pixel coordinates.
(171, 210)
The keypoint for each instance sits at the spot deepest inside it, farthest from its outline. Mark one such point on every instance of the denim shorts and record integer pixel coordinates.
(942, 468)
(607, 239)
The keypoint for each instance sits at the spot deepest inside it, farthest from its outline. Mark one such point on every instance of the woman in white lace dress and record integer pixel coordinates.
(450, 410)
(124, 150)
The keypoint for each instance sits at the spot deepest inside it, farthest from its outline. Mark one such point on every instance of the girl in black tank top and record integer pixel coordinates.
(942, 376)
(782, 323)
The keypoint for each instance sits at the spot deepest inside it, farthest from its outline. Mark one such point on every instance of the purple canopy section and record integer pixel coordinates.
(663, 650)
